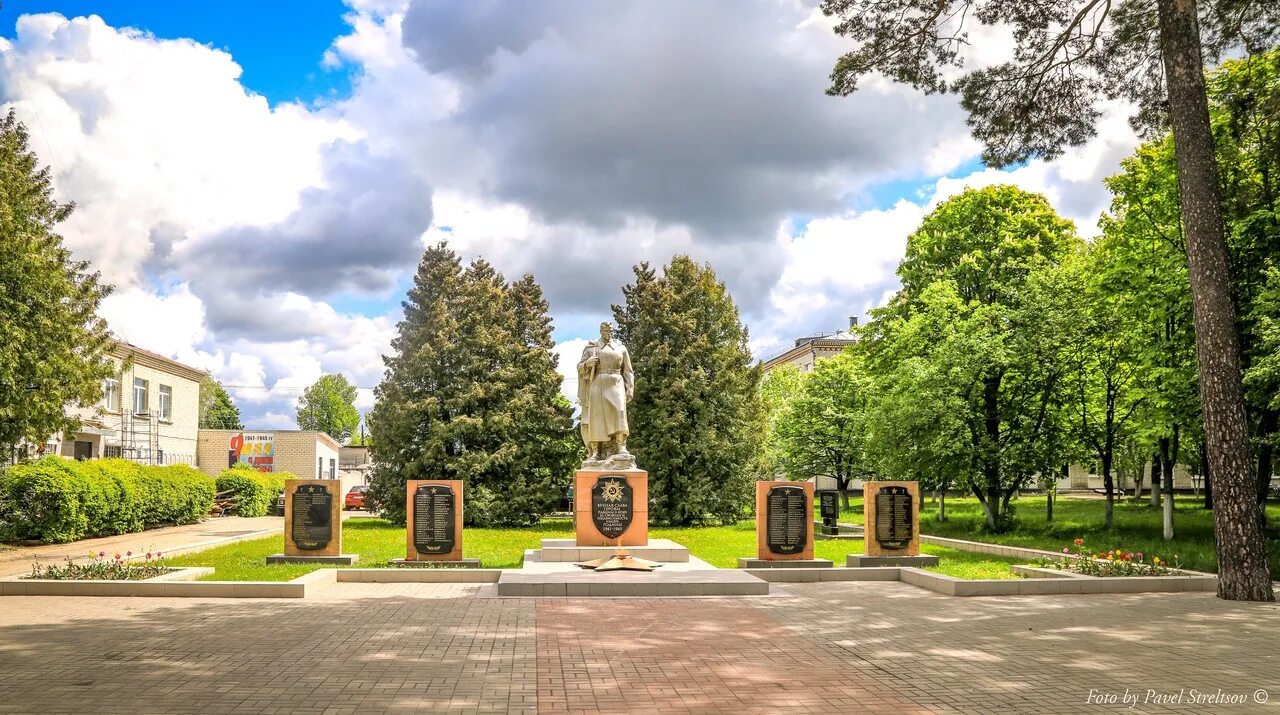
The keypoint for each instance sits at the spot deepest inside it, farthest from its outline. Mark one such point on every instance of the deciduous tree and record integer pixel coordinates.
(1069, 57)
(824, 430)
(329, 406)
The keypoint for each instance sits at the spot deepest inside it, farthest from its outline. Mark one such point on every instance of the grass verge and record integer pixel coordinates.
(1138, 527)
(378, 542)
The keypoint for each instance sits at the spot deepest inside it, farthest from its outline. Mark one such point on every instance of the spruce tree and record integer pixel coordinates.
(696, 418)
(410, 413)
(471, 393)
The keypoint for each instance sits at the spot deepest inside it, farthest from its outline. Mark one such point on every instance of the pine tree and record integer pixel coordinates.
(696, 418)
(471, 393)
(53, 346)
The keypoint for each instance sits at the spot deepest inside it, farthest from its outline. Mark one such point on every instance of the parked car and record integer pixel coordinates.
(357, 496)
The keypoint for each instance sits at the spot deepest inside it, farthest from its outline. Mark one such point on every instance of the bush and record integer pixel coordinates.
(58, 500)
(255, 491)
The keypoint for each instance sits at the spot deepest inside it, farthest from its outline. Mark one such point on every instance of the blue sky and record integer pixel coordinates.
(271, 242)
(278, 43)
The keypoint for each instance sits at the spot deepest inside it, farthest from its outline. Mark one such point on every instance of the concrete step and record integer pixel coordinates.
(660, 582)
(664, 550)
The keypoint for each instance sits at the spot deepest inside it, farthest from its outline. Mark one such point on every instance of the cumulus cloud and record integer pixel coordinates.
(570, 140)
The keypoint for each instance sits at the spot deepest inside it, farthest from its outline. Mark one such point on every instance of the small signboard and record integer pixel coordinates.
(612, 506)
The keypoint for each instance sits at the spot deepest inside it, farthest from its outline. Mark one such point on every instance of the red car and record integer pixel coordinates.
(356, 497)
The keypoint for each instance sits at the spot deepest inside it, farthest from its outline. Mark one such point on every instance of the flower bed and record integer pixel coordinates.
(1116, 562)
(101, 568)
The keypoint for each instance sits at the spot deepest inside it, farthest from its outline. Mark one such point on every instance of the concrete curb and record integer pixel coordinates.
(1017, 552)
(178, 584)
(952, 586)
(417, 575)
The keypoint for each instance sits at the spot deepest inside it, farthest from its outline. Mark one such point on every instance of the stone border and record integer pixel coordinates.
(952, 586)
(171, 585)
(417, 575)
(1017, 552)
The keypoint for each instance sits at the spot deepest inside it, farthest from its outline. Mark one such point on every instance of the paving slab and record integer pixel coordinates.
(820, 647)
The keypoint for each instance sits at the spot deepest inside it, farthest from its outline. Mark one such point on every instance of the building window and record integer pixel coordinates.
(139, 396)
(166, 402)
(111, 394)
(333, 473)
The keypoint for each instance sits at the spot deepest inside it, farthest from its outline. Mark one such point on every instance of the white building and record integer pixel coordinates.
(149, 412)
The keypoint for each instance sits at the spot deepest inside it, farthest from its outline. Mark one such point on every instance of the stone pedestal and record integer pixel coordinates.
(424, 563)
(784, 521)
(312, 523)
(339, 560)
(860, 561)
(433, 533)
(611, 507)
(745, 563)
(891, 525)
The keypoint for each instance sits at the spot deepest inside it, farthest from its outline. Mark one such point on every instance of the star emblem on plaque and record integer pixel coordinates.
(611, 506)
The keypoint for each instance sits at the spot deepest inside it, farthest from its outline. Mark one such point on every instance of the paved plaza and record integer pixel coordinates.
(819, 647)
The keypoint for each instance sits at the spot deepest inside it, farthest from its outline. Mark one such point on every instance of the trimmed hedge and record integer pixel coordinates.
(58, 500)
(255, 491)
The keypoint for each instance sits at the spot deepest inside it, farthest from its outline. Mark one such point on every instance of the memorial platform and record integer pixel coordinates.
(661, 582)
(661, 550)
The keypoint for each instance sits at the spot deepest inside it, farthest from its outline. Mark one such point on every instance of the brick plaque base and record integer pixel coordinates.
(870, 515)
(585, 531)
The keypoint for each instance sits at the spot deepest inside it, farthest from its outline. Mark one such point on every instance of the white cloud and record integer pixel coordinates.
(146, 133)
(523, 140)
(569, 353)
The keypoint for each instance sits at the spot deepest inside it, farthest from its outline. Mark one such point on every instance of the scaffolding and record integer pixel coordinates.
(139, 437)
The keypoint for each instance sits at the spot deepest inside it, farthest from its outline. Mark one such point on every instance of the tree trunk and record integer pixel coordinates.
(844, 498)
(1166, 474)
(1109, 484)
(1208, 478)
(942, 504)
(990, 458)
(1048, 505)
(1266, 428)
(1243, 573)
(1155, 479)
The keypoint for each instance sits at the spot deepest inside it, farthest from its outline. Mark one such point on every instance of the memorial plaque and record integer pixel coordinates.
(434, 514)
(788, 519)
(829, 506)
(312, 523)
(612, 506)
(893, 518)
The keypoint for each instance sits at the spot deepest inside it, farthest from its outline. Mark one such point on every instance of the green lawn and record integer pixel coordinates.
(378, 541)
(1138, 527)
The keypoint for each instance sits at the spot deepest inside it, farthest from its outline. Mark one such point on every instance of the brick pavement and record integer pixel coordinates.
(830, 646)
